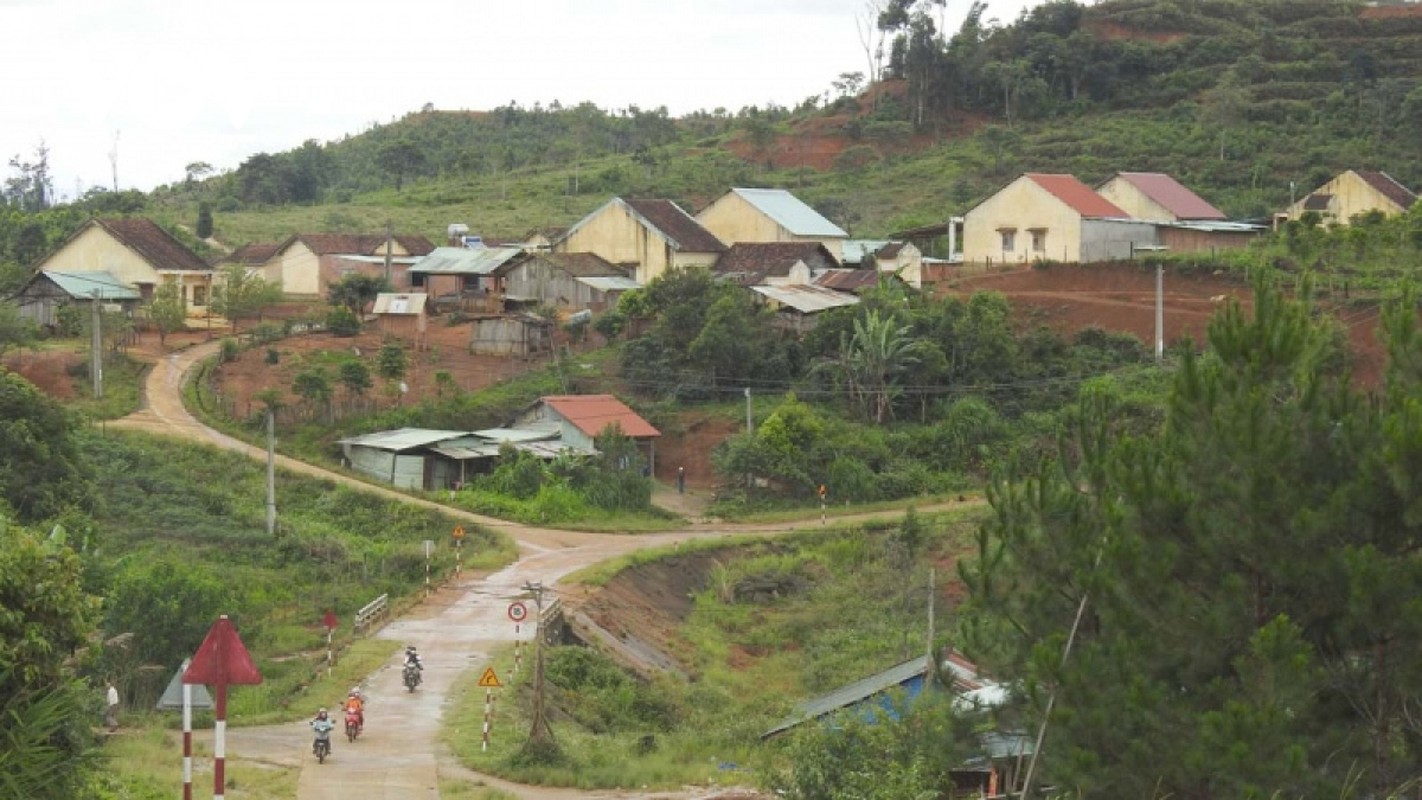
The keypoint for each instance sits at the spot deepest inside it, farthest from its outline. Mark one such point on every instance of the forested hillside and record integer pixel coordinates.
(1248, 103)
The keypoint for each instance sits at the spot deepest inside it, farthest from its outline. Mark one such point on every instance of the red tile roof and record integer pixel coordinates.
(592, 413)
(890, 250)
(1170, 194)
(251, 255)
(1389, 188)
(750, 263)
(582, 265)
(677, 225)
(158, 247)
(1077, 195)
(357, 244)
(849, 280)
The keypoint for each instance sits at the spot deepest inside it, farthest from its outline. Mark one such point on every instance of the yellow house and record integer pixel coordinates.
(1046, 217)
(306, 264)
(138, 253)
(769, 215)
(1352, 193)
(644, 237)
(895, 257)
(1157, 197)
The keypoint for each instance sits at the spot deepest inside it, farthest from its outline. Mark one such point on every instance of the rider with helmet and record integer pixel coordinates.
(323, 726)
(413, 668)
(355, 704)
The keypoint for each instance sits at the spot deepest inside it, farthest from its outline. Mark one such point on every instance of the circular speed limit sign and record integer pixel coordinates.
(518, 612)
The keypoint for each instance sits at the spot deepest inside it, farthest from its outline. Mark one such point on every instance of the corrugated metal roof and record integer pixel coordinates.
(464, 261)
(848, 280)
(791, 213)
(593, 413)
(854, 251)
(83, 285)
(1212, 226)
(529, 434)
(1171, 195)
(407, 304)
(852, 693)
(609, 283)
(1077, 195)
(806, 299)
(404, 438)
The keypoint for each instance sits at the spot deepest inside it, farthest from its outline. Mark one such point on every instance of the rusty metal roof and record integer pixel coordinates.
(1171, 195)
(1077, 195)
(593, 413)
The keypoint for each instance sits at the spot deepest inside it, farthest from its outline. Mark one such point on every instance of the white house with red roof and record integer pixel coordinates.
(1051, 217)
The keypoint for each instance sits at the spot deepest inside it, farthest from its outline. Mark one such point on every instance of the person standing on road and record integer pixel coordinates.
(681, 480)
(111, 708)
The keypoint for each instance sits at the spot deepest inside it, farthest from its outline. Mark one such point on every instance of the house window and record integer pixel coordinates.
(1039, 240)
(199, 295)
(1009, 239)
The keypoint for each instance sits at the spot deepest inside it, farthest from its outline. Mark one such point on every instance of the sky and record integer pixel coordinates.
(138, 89)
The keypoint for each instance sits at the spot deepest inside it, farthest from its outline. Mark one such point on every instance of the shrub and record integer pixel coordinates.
(229, 350)
(341, 322)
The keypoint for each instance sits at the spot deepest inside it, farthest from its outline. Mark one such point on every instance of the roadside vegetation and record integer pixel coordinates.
(765, 623)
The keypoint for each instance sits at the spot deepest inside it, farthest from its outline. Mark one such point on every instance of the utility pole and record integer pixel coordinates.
(1159, 312)
(271, 471)
(540, 732)
(96, 345)
(932, 668)
(389, 239)
(750, 423)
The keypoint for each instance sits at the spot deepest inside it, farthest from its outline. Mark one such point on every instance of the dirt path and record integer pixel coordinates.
(400, 756)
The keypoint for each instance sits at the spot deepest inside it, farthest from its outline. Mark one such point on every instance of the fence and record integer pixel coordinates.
(372, 611)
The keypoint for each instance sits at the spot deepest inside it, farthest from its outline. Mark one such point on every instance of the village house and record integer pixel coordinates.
(580, 418)
(137, 253)
(901, 259)
(1350, 194)
(774, 263)
(509, 334)
(1185, 222)
(769, 215)
(463, 278)
(797, 306)
(565, 281)
(306, 264)
(253, 256)
(1047, 217)
(644, 238)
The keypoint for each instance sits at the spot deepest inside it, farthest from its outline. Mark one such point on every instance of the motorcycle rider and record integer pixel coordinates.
(412, 659)
(355, 704)
(323, 726)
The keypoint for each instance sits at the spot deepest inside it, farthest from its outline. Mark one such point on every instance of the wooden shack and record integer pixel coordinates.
(404, 315)
(510, 335)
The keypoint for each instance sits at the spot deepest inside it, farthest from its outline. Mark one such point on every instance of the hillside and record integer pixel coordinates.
(1240, 100)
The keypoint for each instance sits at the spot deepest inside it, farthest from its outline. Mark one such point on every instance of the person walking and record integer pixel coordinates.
(681, 480)
(111, 708)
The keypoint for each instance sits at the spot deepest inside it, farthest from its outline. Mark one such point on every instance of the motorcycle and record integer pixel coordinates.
(322, 746)
(353, 725)
(412, 676)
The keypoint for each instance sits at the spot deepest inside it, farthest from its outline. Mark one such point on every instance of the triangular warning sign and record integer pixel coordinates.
(221, 659)
(172, 699)
(489, 680)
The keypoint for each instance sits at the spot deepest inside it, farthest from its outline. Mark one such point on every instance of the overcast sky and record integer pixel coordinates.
(163, 83)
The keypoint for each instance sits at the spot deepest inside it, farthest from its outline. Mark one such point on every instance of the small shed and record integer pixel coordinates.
(402, 314)
(510, 335)
(46, 292)
(463, 277)
(797, 307)
(399, 457)
(578, 419)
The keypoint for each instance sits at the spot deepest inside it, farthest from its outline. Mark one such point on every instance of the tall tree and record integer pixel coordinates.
(41, 473)
(1239, 577)
(401, 159)
(241, 294)
(168, 311)
(356, 291)
(204, 220)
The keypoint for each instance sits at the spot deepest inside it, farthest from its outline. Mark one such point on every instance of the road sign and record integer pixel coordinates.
(458, 531)
(222, 659)
(329, 620)
(489, 680)
(823, 491)
(172, 699)
(518, 612)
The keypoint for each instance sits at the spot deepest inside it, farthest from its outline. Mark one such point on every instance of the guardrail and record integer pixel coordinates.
(372, 611)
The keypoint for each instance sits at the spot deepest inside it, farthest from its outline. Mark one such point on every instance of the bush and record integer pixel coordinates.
(229, 350)
(341, 322)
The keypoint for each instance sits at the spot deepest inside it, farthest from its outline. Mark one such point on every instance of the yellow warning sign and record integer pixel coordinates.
(459, 531)
(489, 680)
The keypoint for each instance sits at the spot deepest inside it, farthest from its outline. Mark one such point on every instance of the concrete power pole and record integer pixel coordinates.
(271, 472)
(389, 239)
(1159, 312)
(96, 345)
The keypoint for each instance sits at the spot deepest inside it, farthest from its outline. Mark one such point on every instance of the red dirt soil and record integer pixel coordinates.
(48, 371)
(1121, 298)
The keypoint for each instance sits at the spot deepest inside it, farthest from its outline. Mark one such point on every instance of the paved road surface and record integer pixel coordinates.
(399, 756)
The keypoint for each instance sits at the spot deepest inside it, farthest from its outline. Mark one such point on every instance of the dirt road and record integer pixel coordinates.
(399, 756)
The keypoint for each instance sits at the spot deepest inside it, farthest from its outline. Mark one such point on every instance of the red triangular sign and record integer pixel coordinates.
(221, 659)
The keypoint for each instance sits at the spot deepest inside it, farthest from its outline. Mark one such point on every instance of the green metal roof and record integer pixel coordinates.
(88, 285)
